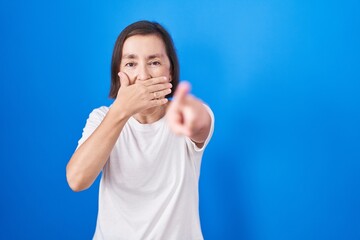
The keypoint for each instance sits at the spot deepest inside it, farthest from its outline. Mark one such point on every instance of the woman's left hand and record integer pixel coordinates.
(188, 116)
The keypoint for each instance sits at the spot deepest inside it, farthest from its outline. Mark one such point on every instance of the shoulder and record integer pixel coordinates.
(99, 113)
(95, 118)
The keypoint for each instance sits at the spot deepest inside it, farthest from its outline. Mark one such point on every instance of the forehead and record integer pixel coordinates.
(144, 45)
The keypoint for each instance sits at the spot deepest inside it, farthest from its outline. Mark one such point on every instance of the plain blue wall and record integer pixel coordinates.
(282, 78)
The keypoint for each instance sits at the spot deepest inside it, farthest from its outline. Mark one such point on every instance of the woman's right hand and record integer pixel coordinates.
(144, 94)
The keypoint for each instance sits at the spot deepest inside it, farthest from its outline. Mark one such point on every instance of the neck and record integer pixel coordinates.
(151, 115)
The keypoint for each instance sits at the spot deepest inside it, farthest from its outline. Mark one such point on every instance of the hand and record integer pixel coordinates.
(141, 95)
(187, 115)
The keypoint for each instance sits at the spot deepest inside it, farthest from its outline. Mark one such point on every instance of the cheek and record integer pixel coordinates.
(162, 71)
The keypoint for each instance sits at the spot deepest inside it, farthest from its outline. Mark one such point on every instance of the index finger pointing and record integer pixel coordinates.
(181, 91)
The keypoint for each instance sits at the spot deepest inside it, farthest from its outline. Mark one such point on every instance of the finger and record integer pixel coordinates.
(182, 90)
(158, 102)
(156, 80)
(124, 79)
(177, 124)
(159, 87)
(160, 94)
(181, 130)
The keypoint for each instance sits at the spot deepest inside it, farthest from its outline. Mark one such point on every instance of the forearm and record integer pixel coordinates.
(202, 125)
(89, 159)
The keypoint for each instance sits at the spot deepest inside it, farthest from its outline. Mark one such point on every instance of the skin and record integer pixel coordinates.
(145, 81)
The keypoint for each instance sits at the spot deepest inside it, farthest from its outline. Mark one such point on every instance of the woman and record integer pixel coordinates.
(148, 149)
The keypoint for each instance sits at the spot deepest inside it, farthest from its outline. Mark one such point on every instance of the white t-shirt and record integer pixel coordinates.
(149, 185)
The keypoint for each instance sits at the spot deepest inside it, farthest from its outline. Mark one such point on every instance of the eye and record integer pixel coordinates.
(130, 64)
(155, 63)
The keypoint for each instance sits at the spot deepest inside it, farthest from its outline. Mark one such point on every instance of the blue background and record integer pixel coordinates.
(282, 77)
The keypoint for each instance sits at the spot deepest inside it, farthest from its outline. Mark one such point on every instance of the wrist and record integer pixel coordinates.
(118, 114)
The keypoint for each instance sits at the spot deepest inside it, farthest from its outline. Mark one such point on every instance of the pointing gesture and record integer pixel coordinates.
(188, 116)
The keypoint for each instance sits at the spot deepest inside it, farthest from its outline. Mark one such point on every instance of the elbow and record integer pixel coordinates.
(75, 186)
(75, 181)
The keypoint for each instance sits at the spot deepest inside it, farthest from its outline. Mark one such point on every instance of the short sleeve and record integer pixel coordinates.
(94, 120)
(192, 145)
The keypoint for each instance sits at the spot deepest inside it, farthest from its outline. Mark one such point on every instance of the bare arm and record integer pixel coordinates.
(88, 160)
(188, 116)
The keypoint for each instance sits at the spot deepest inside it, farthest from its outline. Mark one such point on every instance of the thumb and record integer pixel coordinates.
(124, 80)
(181, 91)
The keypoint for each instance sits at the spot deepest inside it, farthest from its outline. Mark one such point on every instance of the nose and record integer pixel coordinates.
(143, 73)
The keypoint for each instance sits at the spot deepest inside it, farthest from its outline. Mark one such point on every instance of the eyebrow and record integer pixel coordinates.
(133, 56)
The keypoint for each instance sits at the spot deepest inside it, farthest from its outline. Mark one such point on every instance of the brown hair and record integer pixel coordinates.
(143, 28)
